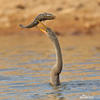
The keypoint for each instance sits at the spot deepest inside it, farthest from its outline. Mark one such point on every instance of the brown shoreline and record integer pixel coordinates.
(59, 26)
(81, 17)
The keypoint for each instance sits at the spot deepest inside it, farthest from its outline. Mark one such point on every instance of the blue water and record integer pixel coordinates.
(25, 68)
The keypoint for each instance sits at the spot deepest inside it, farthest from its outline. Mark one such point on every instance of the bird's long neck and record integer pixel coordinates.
(59, 62)
(56, 70)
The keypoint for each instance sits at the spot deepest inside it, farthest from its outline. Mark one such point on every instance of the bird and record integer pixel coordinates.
(57, 68)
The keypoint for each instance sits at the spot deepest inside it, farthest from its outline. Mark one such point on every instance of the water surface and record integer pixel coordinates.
(25, 63)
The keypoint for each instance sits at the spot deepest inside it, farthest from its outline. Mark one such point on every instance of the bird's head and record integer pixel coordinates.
(46, 30)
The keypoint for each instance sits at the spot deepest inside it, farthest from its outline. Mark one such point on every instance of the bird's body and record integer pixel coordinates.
(40, 17)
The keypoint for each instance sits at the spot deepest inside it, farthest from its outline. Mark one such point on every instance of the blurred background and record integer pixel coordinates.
(72, 16)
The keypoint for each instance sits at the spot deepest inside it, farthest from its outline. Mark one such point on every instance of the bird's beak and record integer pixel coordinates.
(42, 30)
(44, 26)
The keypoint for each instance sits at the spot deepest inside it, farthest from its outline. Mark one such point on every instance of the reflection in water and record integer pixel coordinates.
(25, 67)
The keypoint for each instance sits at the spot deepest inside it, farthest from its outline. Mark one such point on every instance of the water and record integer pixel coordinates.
(25, 63)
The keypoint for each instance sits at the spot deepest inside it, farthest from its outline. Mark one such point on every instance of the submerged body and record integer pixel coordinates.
(40, 17)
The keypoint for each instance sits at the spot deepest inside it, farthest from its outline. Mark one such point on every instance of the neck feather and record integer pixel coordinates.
(59, 62)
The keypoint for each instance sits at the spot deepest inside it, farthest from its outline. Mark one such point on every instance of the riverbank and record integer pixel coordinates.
(72, 17)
